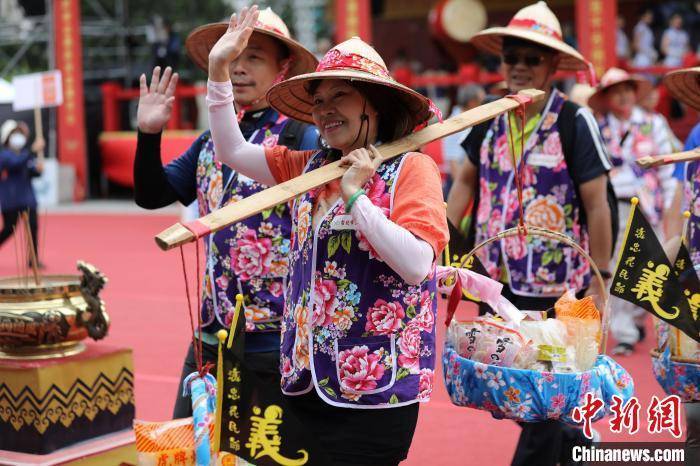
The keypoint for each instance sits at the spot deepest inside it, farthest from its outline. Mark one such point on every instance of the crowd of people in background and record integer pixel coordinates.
(666, 35)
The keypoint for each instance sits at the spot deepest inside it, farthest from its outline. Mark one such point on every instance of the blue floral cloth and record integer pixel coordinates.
(531, 396)
(677, 378)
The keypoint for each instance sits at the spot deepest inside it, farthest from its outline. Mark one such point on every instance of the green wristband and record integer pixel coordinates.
(353, 198)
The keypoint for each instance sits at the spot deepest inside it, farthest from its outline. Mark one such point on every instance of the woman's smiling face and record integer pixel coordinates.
(337, 113)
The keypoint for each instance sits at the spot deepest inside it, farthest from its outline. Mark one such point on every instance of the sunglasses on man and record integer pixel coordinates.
(530, 59)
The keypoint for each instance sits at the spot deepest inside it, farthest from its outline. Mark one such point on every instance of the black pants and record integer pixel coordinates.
(546, 443)
(265, 365)
(10, 219)
(357, 437)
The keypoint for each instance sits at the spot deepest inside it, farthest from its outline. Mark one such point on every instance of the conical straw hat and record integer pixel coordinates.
(352, 60)
(684, 85)
(535, 23)
(616, 76)
(201, 40)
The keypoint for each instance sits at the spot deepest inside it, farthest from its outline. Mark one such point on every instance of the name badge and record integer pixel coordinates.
(544, 160)
(343, 222)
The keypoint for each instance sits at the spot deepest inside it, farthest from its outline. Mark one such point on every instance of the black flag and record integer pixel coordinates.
(690, 283)
(254, 421)
(646, 277)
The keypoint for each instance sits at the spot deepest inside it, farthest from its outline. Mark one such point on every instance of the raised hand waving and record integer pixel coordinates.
(156, 101)
(232, 43)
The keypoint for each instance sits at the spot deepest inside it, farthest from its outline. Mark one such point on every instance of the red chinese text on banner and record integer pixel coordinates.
(595, 25)
(71, 115)
(353, 18)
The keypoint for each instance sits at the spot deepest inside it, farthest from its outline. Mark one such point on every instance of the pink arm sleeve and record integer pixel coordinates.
(230, 147)
(408, 256)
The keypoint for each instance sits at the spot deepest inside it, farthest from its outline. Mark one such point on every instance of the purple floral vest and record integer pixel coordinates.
(536, 267)
(250, 257)
(650, 194)
(692, 188)
(352, 327)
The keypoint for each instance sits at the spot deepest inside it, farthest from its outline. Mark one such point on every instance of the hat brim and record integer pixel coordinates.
(597, 100)
(202, 39)
(684, 85)
(491, 41)
(290, 97)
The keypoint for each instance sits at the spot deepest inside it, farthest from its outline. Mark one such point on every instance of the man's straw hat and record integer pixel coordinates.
(352, 60)
(201, 40)
(535, 23)
(684, 85)
(613, 77)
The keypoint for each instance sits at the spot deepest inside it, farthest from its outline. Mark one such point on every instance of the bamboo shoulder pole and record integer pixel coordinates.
(658, 160)
(178, 234)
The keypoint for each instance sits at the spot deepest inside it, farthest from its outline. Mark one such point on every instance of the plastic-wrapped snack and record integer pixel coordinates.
(549, 338)
(565, 303)
(463, 336)
(584, 335)
(567, 363)
(583, 327)
(569, 306)
(497, 345)
(165, 443)
(550, 332)
(526, 357)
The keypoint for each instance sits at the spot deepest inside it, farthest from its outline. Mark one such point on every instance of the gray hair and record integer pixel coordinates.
(468, 93)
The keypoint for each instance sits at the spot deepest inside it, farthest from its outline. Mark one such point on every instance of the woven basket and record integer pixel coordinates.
(527, 395)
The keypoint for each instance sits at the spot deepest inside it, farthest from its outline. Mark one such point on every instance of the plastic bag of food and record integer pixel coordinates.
(583, 327)
(165, 443)
(463, 337)
(497, 345)
(527, 356)
(553, 350)
(551, 332)
(569, 306)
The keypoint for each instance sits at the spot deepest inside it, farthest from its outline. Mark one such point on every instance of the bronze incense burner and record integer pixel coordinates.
(51, 318)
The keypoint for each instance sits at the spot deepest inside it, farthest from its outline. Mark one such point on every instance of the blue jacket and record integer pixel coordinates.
(16, 173)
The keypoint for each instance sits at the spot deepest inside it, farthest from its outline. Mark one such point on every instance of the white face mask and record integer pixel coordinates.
(17, 141)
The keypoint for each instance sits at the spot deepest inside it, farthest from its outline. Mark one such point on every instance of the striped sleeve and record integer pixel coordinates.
(590, 159)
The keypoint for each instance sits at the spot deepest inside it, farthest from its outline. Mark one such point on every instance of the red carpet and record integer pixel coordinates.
(146, 301)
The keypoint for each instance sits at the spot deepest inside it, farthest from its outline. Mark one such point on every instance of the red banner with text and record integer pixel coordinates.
(71, 115)
(595, 24)
(353, 18)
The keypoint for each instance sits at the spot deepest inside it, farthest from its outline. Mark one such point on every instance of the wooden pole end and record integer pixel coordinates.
(535, 94)
(173, 237)
(645, 162)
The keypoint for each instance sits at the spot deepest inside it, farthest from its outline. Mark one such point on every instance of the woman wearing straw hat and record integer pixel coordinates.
(17, 168)
(259, 245)
(565, 184)
(358, 336)
(630, 133)
(684, 85)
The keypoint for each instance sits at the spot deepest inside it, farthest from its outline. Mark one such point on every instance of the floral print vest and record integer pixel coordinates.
(249, 257)
(650, 194)
(352, 328)
(536, 267)
(692, 194)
